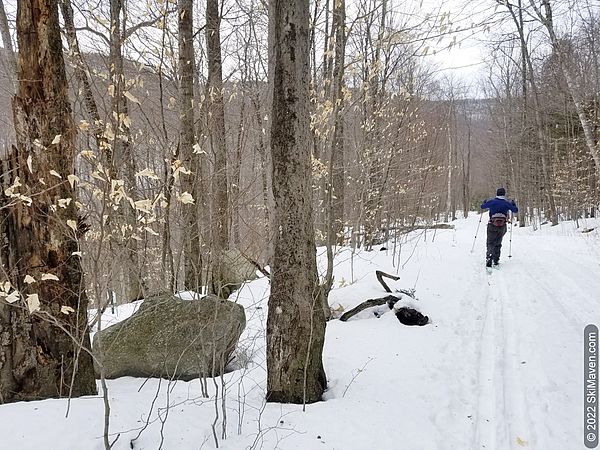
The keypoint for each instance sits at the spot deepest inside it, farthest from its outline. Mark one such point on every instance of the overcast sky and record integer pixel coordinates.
(481, 21)
(477, 21)
(467, 55)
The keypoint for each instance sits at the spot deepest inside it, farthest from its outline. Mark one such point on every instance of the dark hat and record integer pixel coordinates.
(500, 192)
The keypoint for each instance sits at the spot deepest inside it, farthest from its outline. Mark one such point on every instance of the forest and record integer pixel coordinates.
(160, 157)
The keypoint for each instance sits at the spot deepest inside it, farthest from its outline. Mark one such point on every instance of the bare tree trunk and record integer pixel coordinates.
(547, 181)
(295, 325)
(454, 161)
(83, 79)
(262, 151)
(189, 182)
(522, 196)
(43, 351)
(216, 128)
(450, 162)
(236, 175)
(466, 169)
(375, 184)
(123, 164)
(336, 179)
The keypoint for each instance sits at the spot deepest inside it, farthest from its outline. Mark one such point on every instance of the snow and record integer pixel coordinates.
(499, 367)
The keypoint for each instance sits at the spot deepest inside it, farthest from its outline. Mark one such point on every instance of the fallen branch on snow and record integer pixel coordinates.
(379, 274)
(390, 300)
(406, 316)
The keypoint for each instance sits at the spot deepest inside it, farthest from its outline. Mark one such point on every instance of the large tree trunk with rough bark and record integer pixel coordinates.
(296, 323)
(43, 348)
(216, 127)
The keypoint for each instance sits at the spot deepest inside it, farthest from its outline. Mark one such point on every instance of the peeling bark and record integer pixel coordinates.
(41, 353)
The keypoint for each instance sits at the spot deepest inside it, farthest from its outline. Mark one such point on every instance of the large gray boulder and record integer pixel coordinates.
(237, 268)
(172, 338)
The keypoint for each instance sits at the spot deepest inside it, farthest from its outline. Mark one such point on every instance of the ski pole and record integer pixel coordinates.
(476, 232)
(510, 237)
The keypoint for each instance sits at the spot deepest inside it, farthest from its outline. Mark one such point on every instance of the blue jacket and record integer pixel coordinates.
(499, 205)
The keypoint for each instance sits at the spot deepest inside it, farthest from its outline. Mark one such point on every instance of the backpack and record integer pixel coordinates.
(498, 220)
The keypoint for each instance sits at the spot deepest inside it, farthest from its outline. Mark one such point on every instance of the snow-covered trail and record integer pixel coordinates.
(498, 368)
(548, 295)
(529, 319)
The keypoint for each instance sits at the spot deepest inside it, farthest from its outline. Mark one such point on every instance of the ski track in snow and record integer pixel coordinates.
(488, 379)
(520, 295)
(516, 411)
(503, 422)
(518, 346)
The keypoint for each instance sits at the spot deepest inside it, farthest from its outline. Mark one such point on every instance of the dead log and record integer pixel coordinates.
(435, 226)
(390, 300)
(381, 239)
(407, 316)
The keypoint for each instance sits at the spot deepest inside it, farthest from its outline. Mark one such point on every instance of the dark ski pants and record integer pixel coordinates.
(494, 242)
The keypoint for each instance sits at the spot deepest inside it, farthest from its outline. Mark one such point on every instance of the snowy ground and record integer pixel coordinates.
(500, 367)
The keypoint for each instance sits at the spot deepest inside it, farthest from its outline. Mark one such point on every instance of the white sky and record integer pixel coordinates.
(475, 18)
(466, 57)
(483, 17)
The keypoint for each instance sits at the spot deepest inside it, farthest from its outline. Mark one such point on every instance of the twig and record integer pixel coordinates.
(214, 424)
(356, 375)
(132, 441)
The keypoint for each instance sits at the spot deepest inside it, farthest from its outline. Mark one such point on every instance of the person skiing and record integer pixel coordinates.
(499, 207)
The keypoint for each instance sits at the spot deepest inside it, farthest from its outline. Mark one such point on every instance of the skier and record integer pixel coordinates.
(496, 229)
